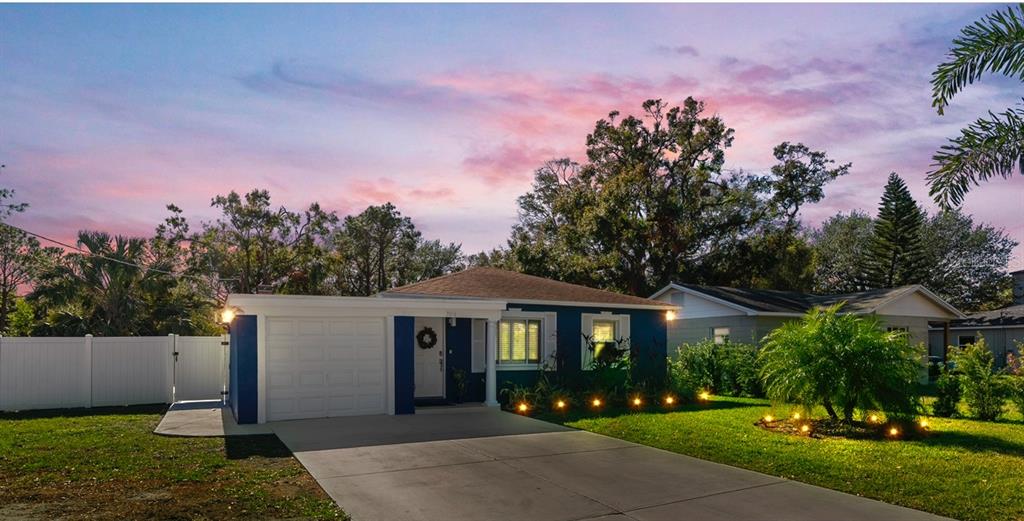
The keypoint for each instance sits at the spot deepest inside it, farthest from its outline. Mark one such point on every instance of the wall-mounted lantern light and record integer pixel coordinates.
(670, 315)
(227, 315)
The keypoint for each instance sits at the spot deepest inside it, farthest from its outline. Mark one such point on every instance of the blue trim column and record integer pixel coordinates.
(404, 365)
(243, 390)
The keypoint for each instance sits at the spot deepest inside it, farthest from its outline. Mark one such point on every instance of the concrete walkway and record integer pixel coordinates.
(483, 464)
(205, 418)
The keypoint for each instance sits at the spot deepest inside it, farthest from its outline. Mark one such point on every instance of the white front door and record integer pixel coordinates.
(429, 361)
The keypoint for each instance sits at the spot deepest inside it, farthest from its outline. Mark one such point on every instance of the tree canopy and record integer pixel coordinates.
(653, 204)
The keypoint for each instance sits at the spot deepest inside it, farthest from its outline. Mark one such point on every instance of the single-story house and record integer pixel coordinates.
(458, 337)
(747, 315)
(1003, 329)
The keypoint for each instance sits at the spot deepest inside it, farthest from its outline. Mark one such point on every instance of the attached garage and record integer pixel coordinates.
(324, 367)
(297, 356)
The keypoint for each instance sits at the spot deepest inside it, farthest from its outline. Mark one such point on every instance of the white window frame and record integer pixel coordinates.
(587, 328)
(516, 314)
(715, 336)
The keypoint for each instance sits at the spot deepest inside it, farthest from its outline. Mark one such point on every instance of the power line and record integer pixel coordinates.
(104, 257)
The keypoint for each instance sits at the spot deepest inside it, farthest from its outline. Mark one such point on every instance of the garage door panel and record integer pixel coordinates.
(325, 367)
(280, 326)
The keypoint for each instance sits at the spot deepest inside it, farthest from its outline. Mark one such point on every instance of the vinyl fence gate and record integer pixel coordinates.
(200, 368)
(68, 372)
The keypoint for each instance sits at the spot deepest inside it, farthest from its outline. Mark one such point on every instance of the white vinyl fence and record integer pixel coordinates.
(62, 372)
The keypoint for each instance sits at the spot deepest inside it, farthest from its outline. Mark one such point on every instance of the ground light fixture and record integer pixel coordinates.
(596, 402)
(670, 400)
(704, 396)
(873, 418)
(893, 431)
(523, 407)
(923, 423)
(560, 405)
(637, 402)
(768, 418)
(805, 428)
(796, 416)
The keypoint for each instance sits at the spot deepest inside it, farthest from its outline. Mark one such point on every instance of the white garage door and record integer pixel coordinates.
(325, 367)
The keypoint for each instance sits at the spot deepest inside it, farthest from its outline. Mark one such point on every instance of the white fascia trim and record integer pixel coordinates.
(967, 328)
(596, 305)
(318, 306)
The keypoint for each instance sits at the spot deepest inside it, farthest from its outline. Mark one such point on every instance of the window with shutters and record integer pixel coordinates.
(519, 341)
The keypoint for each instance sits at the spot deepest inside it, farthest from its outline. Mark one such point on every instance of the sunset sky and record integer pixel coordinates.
(108, 113)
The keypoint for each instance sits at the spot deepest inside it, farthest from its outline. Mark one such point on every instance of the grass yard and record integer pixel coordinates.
(964, 469)
(107, 464)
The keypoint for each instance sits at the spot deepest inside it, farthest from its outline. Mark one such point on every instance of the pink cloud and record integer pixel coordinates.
(508, 162)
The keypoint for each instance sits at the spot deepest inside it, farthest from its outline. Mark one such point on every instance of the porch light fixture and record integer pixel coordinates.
(670, 315)
(227, 315)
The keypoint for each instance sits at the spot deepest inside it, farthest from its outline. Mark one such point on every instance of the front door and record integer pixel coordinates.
(429, 347)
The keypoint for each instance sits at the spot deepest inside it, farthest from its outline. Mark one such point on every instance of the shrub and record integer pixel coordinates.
(1015, 366)
(984, 390)
(948, 391)
(728, 369)
(841, 361)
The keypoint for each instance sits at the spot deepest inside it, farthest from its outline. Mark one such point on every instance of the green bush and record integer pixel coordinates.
(1015, 367)
(842, 362)
(948, 393)
(728, 369)
(985, 391)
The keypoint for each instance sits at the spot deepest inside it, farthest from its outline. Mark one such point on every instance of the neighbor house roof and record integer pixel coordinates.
(759, 301)
(1008, 316)
(494, 283)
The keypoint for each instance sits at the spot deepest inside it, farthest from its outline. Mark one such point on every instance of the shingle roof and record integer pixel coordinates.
(774, 301)
(1008, 316)
(494, 283)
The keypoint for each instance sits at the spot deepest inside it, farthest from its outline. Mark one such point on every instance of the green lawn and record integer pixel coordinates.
(107, 464)
(964, 469)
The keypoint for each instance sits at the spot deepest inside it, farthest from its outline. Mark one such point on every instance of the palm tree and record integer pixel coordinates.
(992, 146)
(99, 292)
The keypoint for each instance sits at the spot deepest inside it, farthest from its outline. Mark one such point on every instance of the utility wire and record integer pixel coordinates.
(104, 257)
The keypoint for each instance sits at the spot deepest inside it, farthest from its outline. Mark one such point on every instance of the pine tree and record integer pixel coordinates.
(896, 255)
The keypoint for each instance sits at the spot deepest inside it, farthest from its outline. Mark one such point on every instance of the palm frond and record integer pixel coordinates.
(987, 148)
(993, 44)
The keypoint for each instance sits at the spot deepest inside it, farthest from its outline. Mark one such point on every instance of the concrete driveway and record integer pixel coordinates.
(483, 464)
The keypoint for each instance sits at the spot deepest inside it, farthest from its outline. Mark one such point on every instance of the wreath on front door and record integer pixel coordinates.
(426, 338)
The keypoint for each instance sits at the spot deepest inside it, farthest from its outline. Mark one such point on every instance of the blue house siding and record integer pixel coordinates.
(405, 377)
(648, 339)
(243, 372)
(648, 335)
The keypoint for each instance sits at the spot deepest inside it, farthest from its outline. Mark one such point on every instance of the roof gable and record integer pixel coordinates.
(493, 283)
(913, 300)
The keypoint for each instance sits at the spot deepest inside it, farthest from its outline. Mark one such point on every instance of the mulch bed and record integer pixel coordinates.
(829, 428)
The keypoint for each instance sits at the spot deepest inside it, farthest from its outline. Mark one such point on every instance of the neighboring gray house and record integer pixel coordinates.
(1003, 329)
(747, 315)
